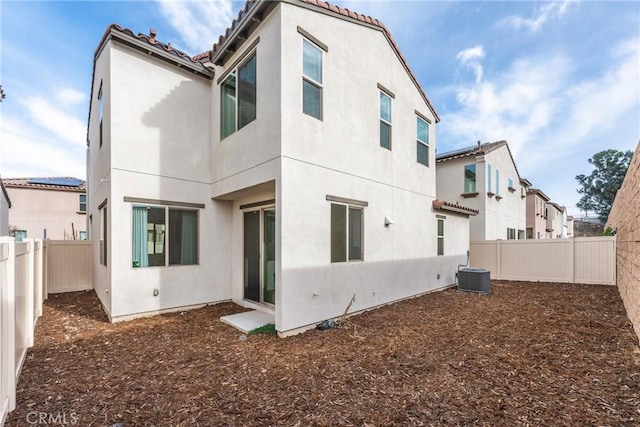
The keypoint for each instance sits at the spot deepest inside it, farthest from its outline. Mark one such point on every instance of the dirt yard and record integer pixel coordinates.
(527, 354)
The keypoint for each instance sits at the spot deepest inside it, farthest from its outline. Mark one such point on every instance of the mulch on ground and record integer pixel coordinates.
(527, 354)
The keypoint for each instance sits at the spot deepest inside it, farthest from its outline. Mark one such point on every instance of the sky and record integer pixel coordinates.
(560, 81)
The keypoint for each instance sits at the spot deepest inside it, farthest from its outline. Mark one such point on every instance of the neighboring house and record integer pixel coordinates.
(47, 208)
(5, 205)
(536, 214)
(569, 229)
(289, 169)
(554, 215)
(485, 177)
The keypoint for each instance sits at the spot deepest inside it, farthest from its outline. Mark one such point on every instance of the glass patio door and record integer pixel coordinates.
(260, 255)
(269, 256)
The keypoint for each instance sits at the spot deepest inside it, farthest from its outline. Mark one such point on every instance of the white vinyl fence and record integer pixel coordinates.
(21, 294)
(69, 266)
(29, 271)
(588, 260)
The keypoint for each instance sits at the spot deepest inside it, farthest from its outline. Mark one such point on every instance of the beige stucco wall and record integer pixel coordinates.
(36, 210)
(625, 219)
(4, 215)
(536, 216)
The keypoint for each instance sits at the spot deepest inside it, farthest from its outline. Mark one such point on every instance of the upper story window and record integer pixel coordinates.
(82, 202)
(100, 111)
(422, 144)
(385, 120)
(311, 79)
(489, 178)
(470, 178)
(497, 182)
(238, 98)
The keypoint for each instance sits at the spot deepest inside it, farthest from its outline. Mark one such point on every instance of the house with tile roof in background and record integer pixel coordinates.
(537, 214)
(47, 208)
(290, 169)
(5, 205)
(485, 177)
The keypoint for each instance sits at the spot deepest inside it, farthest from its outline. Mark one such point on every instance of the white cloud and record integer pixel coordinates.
(62, 124)
(553, 10)
(552, 118)
(28, 151)
(470, 58)
(199, 23)
(70, 97)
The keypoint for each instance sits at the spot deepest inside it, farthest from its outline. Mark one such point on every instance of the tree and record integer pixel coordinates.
(600, 187)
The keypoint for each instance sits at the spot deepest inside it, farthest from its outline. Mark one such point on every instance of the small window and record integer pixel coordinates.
(470, 178)
(103, 235)
(19, 235)
(385, 121)
(346, 233)
(440, 236)
(238, 98)
(82, 203)
(311, 79)
(422, 144)
(511, 233)
(510, 186)
(489, 178)
(82, 235)
(100, 111)
(520, 234)
(162, 234)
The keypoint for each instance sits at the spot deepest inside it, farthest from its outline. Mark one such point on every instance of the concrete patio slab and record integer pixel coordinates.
(249, 320)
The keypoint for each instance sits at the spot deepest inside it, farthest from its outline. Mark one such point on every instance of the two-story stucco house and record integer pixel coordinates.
(537, 214)
(485, 177)
(5, 205)
(288, 169)
(555, 221)
(47, 208)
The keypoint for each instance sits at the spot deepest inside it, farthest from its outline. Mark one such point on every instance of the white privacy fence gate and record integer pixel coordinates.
(588, 260)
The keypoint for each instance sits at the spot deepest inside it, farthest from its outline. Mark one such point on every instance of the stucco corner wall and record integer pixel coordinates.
(625, 219)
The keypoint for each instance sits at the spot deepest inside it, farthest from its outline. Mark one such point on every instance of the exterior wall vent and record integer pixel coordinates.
(474, 280)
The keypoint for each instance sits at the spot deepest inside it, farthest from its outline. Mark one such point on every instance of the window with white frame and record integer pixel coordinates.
(511, 233)
(82, 203)
(440, 236)
(422, 144)
(346, 232)
(385, 120)
(470, 178)
(497, 182)
(163, 236)
(238, 97)
(488, 178)
(311, 79)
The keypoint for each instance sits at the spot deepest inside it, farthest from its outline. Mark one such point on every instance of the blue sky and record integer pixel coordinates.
(560, 81)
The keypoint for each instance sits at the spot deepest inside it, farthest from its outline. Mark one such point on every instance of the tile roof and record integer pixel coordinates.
(150, 40)
(24, 183)
(344, 12)
(454, 207)
(539, 193)
(470, 151)
(479, 149)
(4, 191)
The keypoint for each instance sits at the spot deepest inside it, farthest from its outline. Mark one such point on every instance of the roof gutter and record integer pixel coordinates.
(246, 20)
(158, 53)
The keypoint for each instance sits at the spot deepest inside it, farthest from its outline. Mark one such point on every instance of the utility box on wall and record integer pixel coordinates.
(474, 280)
